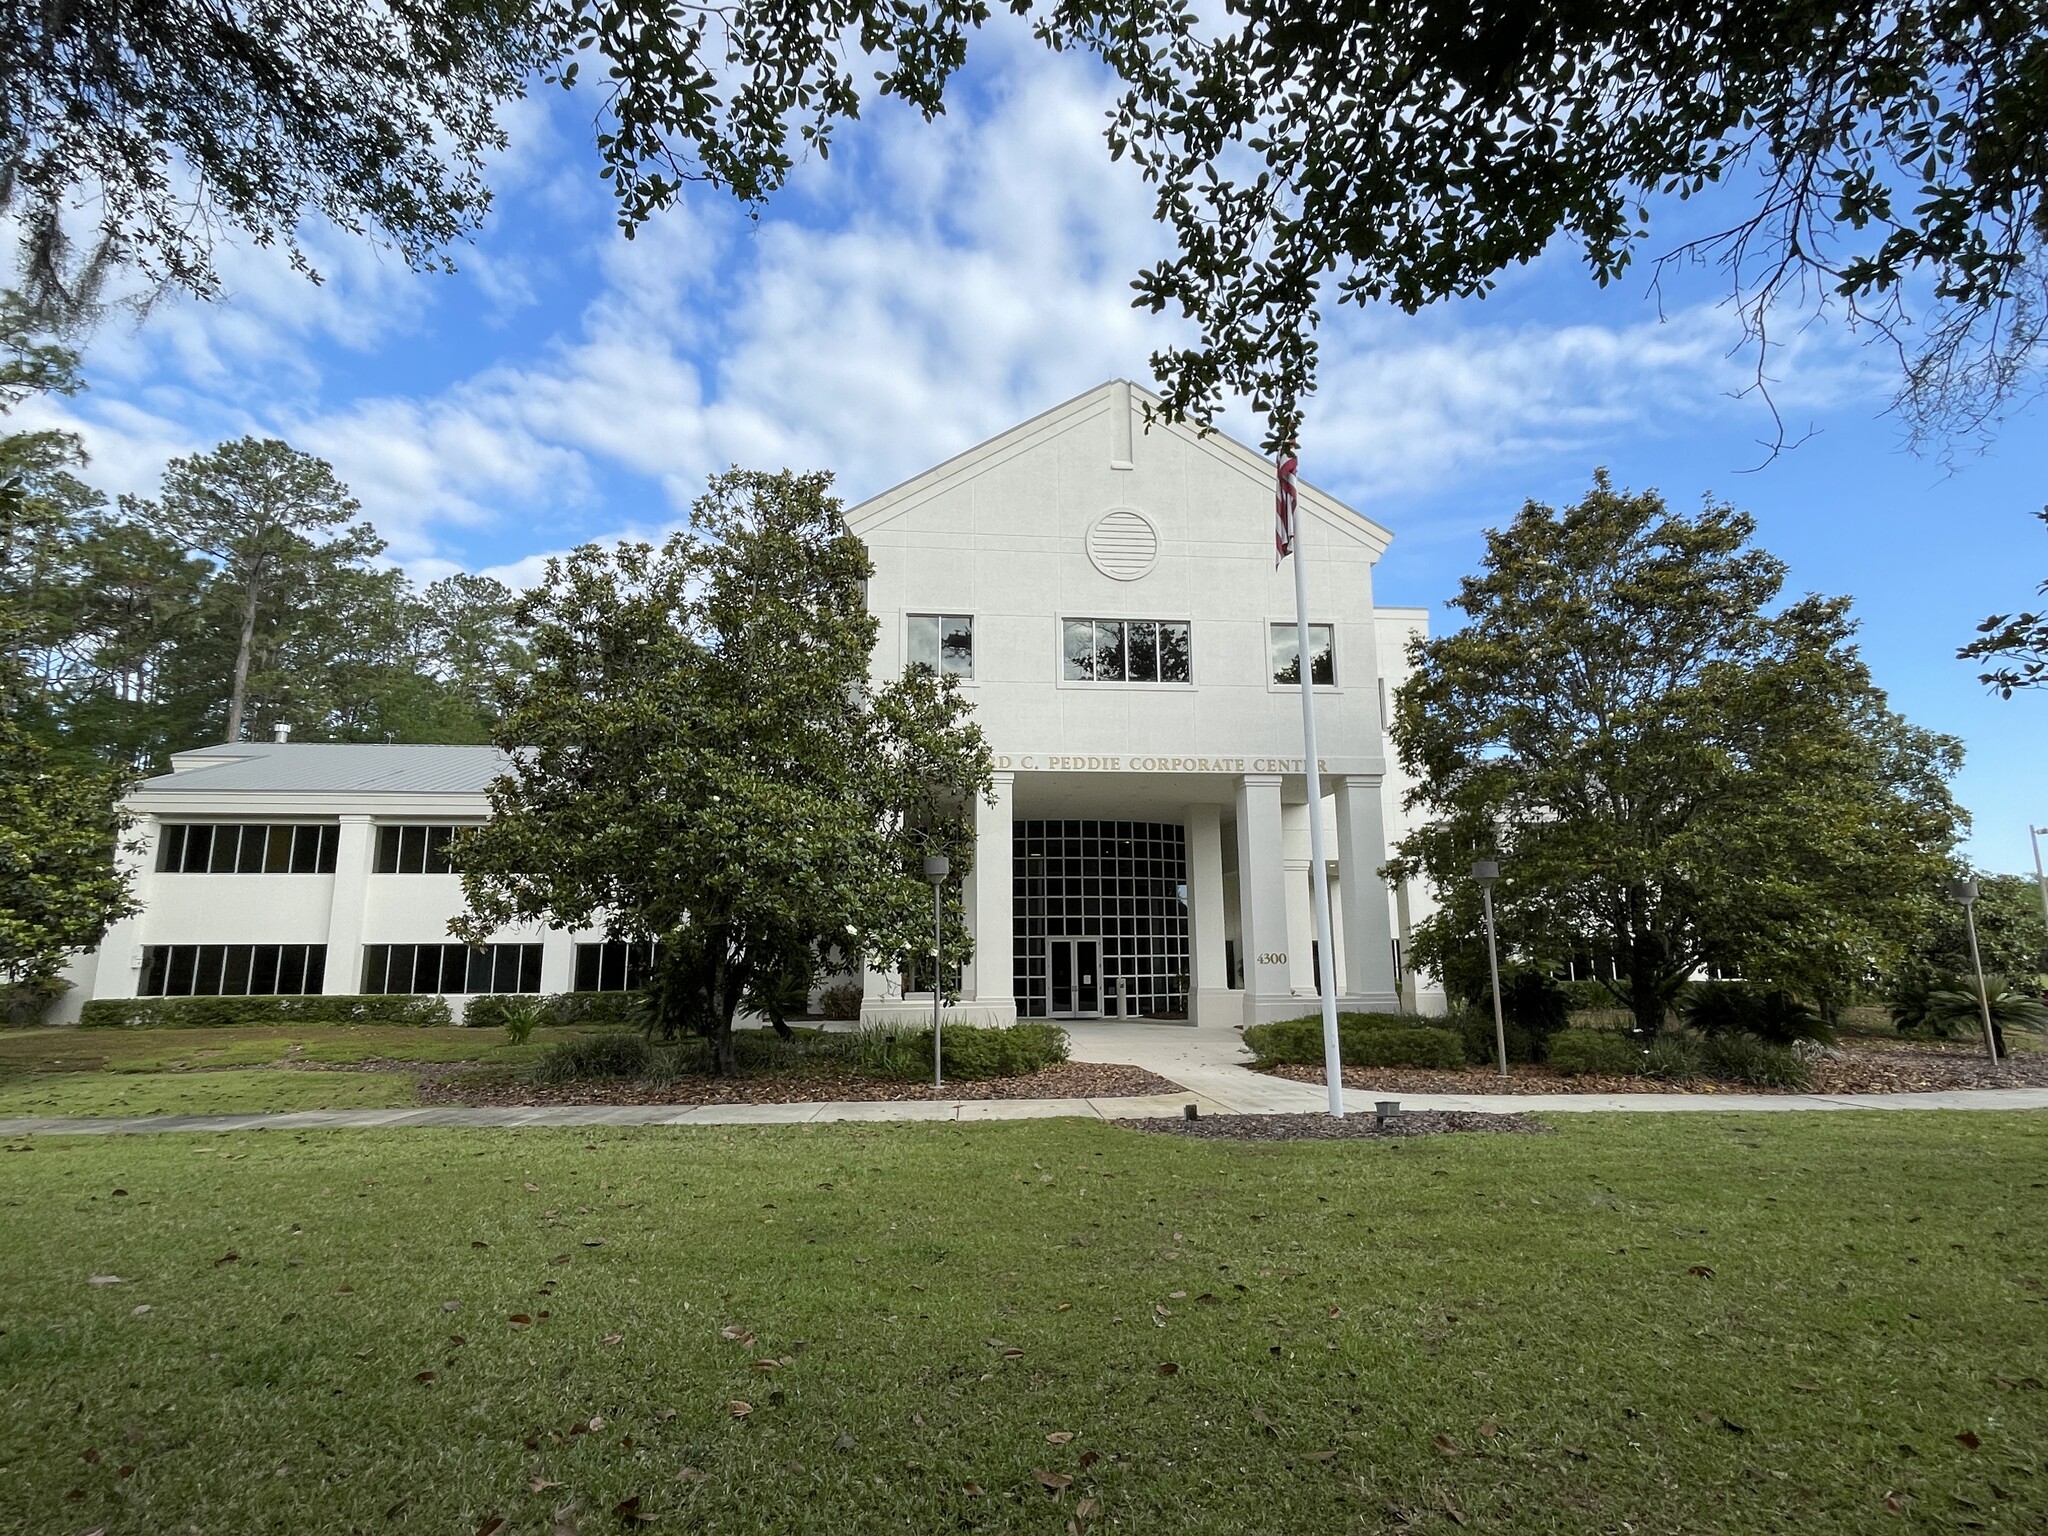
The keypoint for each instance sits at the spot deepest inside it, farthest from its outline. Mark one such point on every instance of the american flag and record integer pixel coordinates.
(1284, 508)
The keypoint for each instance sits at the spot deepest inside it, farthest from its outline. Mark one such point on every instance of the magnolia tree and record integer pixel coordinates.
(1673, 768)
(701, 761)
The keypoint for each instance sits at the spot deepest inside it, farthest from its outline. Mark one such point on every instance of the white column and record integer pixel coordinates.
(1209, 1000)
(557, 959)
(345, 914)
(1262, 900)
(117, 968)
(1368, 918)
(995, 981)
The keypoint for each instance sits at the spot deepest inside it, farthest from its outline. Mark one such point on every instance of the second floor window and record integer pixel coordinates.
(1125, 651)
(943, 643)
(420, 850)
(241, 848)
(1287, 655)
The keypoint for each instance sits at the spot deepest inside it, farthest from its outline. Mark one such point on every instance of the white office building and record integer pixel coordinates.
(1106, 593)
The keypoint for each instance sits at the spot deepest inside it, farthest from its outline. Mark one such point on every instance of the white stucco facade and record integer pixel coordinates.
(1147, 847)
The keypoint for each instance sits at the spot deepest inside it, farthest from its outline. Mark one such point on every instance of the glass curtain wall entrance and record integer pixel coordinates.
(1101, 918)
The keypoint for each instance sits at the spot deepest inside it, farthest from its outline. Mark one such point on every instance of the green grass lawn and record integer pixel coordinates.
(160, 1050)
(1686, 1323)
(244, 1092)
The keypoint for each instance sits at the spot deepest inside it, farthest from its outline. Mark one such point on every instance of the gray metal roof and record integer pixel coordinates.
(333, 768)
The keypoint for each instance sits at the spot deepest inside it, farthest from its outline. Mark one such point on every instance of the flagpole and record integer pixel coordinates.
(1312, 767)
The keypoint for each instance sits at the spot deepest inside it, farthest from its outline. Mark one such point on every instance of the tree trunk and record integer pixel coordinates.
(1645, 969)
(238, 697)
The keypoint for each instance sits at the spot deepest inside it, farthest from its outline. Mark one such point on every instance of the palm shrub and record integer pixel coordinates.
(1719, 1008)
(521, 1016)
(1953, 1009)
(1676, 1058)
(1533, 1003)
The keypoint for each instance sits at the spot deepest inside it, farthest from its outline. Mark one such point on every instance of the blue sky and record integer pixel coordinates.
(930, 285)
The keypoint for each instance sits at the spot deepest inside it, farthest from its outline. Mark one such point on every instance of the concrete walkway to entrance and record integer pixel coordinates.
(1206, 1062)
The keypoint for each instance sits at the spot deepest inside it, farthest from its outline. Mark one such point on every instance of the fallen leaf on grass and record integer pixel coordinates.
(534, 1187)
(1013, 1354)
(1059, 1437)
(1489, 1429)
(541, 1485)
(1704, 1271)
(844, 1442)
(479, 1245)
(1447, 1445)
(141, 1311)
(972, 1490)
(1733, 1428)
(1088, 1509)
(1089, 1458)
(664, 1414)
(105, 1280)
(736, 1332)
(615, 1338)
(1322, 1455)
(520, 1320)
(492, 1524)
(423, 1377)
(226, 1258)
(692, 1475)
(1169, 1368)
(1053, 1482)
(1805, 1386)
(628, 1510)
(1265, 1423)
(767, 1365)
(397, 1509)
(1968, 1439)
(451, 1306)
(562, 1258)
(738, 1409)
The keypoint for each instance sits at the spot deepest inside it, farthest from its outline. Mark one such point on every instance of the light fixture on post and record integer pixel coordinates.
(1486, 871)
(1965, 891)
(2040, 880)
(936, 868)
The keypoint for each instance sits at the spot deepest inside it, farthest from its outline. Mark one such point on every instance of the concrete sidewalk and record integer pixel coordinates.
(1148, 1107)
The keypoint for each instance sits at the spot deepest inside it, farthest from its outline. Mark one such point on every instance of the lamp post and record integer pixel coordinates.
(1965, 891)
(2040, 881)
(936, 868)
(1486, 871)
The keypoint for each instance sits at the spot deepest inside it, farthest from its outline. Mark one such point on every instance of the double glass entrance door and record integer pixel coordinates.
(1074, 971)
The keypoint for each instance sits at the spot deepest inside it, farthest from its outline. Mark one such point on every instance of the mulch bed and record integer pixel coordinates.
(1865, 1067)
(1069, 1080)
(1353, 1126)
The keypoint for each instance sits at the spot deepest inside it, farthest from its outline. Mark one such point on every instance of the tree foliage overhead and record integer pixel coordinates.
(140, 134)
(701, 761)
(1412, 151)
(1674, 771)
(2014, 646)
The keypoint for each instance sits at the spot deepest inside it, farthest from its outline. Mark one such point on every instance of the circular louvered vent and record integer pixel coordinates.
(1123, 544)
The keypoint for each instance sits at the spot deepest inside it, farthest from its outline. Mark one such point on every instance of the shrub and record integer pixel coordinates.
(970, 1051)
(1531, 1002)
(1955, 1008)
(616, 1053)
(626, 1010)
(248, 1012)
(1759, 1063)
(1595, 1053)
(840, 1001)
(1475, 1033)
(522, 1015)
(1674, 1058)
(1364, 1040)
(1403, 1048)
(25, 1002)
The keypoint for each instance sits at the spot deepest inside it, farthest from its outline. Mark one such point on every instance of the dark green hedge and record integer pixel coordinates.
(254, 1012)
(627, 1009)
(1595, 1053)
(1364, 1040)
